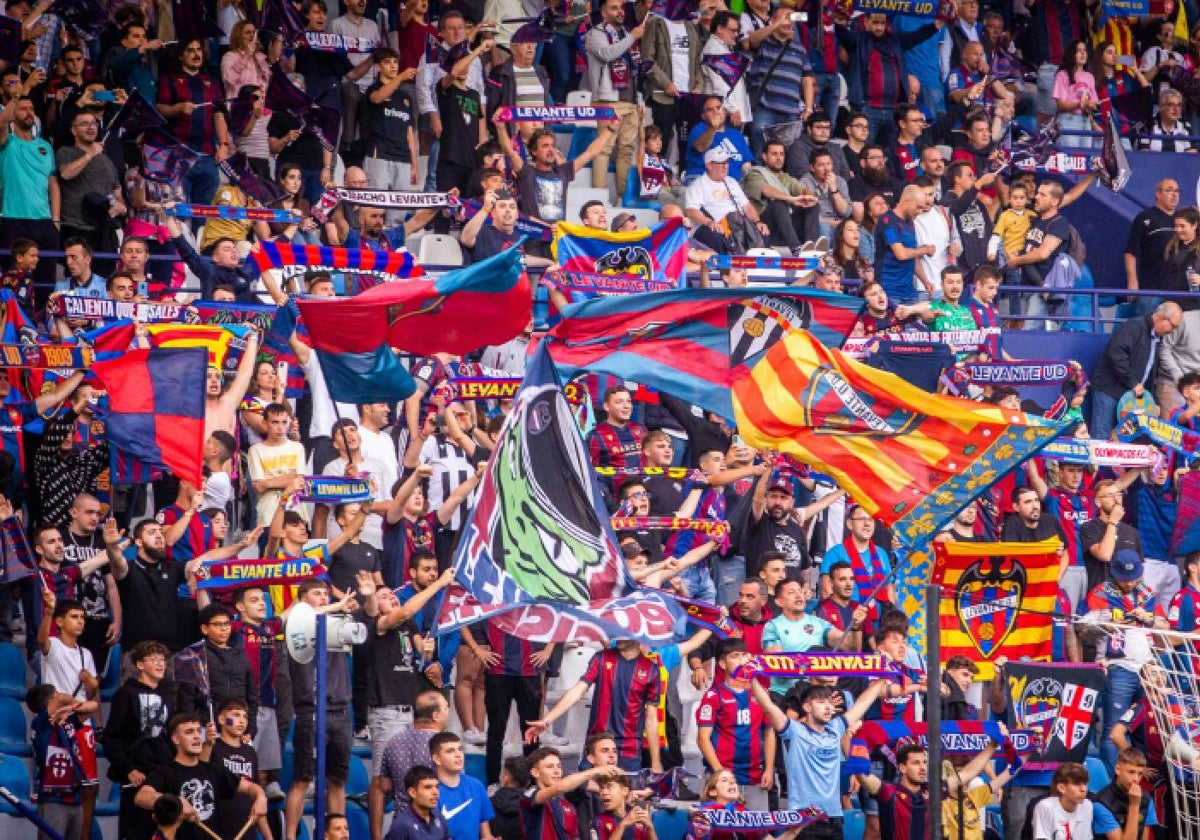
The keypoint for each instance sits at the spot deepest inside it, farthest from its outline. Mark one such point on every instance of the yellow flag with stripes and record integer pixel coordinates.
(910, 458)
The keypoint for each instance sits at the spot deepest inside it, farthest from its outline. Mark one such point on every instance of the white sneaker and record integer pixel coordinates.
(474, 736)
(274, 792)
(551, 739)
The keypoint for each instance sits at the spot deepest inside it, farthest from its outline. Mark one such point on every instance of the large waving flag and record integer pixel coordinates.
(459, 312)
(693, 343)
(998, 599)
(539, 555)
(657, 253)
(912, 459)
(223, 343)
(156, 407)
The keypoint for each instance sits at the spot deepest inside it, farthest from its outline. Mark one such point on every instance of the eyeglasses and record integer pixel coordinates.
(640, 494)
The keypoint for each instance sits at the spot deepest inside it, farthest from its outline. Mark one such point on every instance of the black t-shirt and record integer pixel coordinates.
(241, 761)
(385, 125)
(322, 70)
(1015, 530)
(1058, 227)
(1149, 234)
(209, 787)
(350, 559)
(889, 188)
(768, 535)
(306, 152)
(666, 494)
(394, 679)
(1091, 533)
(90, 591)
(153, 588)
(461, 112)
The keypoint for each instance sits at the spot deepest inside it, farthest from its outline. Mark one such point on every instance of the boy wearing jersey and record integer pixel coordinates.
(733, 733)
(545, 812)
(628, 685)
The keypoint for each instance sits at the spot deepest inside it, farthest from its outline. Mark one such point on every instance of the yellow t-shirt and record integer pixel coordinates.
(1012, 226)
(215, 229)
(975, 799)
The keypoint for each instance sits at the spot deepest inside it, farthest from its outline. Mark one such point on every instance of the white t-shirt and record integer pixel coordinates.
(368, 30)
(323, 415)
(372, 532)
(379, 447)
(271, 461)
(1051, 822)
(680, 54)
(61, 667)
(934, 227)
(717, 198)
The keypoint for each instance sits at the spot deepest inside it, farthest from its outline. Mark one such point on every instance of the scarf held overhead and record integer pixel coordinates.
(798, 665)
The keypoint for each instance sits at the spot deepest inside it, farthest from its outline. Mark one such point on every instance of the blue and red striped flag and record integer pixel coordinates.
(320, 120)
(729, 66)
(280, 16)
(16, 557)
(263, 190)
(693, 343)
(126, 469)
(83, 18)
(156, 407)
(192, 21)
(658, 253)
(463, 310)
(135, 116)
(278, 254)
(164, 158)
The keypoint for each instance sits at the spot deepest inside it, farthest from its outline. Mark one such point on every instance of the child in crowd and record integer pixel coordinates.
(620, 820)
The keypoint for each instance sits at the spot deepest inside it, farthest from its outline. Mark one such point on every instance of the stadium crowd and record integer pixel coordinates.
(901, 186)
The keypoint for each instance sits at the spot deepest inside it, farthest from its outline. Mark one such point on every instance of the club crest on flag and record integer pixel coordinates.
(832, 406)
(1074, 720)
(1039, 699)
(756, 324)
(987, 599)
(627, 260)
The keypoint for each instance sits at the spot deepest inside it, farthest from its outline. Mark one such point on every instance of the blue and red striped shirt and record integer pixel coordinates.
(555, 820)
(196, 539)
(623, 690)
(738, 726)
(259, 644)
(1072, 510)
(514, 653)
(903, 813)
(198, 129)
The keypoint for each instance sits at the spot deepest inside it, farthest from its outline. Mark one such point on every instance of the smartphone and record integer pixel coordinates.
(281, 371)
(104, 96)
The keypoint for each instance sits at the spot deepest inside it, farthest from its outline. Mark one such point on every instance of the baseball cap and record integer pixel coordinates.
(1126, 565)
(619, 221)
(783, 484)
(716, 155)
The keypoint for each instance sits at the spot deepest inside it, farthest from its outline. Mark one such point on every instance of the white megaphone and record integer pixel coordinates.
(341, 632)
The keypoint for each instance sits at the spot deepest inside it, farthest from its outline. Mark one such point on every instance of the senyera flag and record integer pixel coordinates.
(998, 599)
(459, 312)
(692, 343)
(538, 556)
(156, 407)
(911, 459)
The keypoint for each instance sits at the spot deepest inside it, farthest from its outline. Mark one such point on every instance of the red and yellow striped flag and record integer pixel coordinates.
(217, 339)
(910, 458)
(998, 599)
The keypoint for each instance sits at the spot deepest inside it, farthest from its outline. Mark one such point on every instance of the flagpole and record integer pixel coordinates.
(933, 708)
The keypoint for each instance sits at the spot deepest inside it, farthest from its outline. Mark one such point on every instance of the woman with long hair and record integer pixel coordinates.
(265, 389)
(874, 209)
(1113, 79)
(848, 253)
(290, 178)
(1183, 258)
(720, 793)
(245, 63)
(1075, 94)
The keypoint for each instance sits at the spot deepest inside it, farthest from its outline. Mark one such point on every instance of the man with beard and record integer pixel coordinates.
(1103, 536)
(962, 527)
(31, 200)
(201, 785)
(780, 200)
(97, 591)
(749, 617)
(776, 525)
(1026, 524)
(62, 580)
(878, 316)
(876, 178)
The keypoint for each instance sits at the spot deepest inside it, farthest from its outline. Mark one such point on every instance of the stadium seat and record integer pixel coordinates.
(96, 833)
(12, 671)
(670, 824)
(632, 197)
(1098, 777)
(577, 98)
(15, 778)
(439, 249)
(13, 729)
(854, 823)
(359, 820)
(112, 674)
(110, 806)
(359, 779)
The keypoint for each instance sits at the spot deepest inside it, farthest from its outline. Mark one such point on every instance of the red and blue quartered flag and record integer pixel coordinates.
(463, 310)
(322, 121)
(693, 343)
(134, 117)
(658, 253)
(280, 16)
(86, 19)
(156, 407)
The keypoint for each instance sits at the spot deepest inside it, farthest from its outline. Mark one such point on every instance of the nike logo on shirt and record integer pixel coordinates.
(451, 814)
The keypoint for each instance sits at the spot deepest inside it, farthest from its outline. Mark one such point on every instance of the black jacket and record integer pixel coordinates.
(703, 434)
(135, 734)
(506, 825)
(502, 86)
(229, 675)
(1124, 361)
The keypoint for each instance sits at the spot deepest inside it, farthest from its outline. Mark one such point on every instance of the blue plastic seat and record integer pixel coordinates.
(632, 196)
(96, 834)
(581, 138)
(15, 778)
(359, 778)
(13, 732)
(12, 671)
(854, 823)
(112, 674)
(110, 807)
(359, 820)
(1098, 777)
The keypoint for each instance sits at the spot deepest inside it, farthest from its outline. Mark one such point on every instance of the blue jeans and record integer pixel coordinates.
(881, 120)
(1123, 690)
(201, 181)
(1146, 304)
(730, 574)
(933, 97)
(310, 185)
(699, 583)
(559, 59)
(435, 146)
(1104, 415)
(829, 93)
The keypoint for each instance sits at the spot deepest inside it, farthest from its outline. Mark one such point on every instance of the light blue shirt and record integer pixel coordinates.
(805, 633)
(813, 760)
(95, 287)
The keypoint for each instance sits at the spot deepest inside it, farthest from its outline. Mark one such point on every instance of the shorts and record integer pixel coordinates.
(266, 742)
(870, 805)
(384, 722)
(338, 739)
